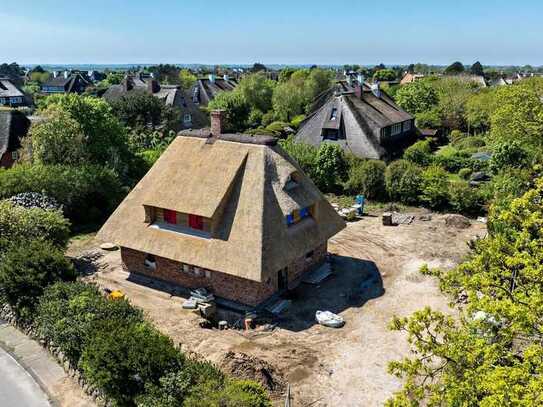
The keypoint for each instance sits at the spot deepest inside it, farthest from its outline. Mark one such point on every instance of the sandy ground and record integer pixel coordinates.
(376, 277)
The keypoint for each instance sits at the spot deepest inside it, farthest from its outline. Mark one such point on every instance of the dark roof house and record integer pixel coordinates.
(172, 95)
(14, 126)
(231, 213)
(65, 82)
(207, 88)
(11, 95)
(360, 118)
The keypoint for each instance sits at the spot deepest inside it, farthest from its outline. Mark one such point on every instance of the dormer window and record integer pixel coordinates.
(174, 221)
(333, 114)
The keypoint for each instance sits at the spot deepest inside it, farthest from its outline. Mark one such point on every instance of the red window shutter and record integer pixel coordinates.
(170, 216)
(196, 222)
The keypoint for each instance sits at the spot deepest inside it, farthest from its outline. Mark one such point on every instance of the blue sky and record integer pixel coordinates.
(276, 31)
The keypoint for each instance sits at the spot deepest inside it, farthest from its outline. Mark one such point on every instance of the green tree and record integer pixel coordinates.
(417, 97)
(492, 354)
(330, 167)
(435, 187)
(518, 117)
(508, 154)
(403, 181)
(367, 178)
(257, 91)
(186, 79)
(288, 100)
(236, 110)
(59, 139)
(419, 153)
(26, 269)
(455, 68)
(104, 135)
(318, 81)
(385, 75)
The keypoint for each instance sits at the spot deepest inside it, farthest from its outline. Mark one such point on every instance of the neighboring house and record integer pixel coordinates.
(11, 95)
(191, 117)
(476, 79)
(410, 78)
(230, 213)
(14, 126)
(65, 82)
(206, 89)
(361, 119)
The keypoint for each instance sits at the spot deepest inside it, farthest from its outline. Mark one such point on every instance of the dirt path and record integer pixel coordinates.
(327, 367)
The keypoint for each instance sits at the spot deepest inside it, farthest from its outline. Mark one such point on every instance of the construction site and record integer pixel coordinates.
(374, 276)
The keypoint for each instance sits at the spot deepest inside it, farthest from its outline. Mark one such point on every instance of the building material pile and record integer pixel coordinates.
(249, 367)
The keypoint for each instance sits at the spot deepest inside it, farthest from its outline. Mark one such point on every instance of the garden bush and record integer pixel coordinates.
(465, 173)
(26, 269)
(403, 181)
(509, 154)
(19, 224)
(435, 187)
(297, 120)
(464, 199)
(120, 359)
(367, 178)
(330, 167)
(304, 154)
(87, 193)
(419, 153)
(470, 143)
(236, 393)
(68, 314)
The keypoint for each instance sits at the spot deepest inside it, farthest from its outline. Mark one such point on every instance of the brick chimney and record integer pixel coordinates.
(217, 122)
(152, 85)
(358, 90)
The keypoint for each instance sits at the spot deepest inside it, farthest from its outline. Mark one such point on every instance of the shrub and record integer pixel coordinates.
(456, 136)
(175, 387)
(236, 393)
(304, 154)
(87, 193)
(25, 271)
(470, 143)
(21, 224)
(276, 128)
(367, 178)
(419, 153)
(120, 359)
(297, 120)
(69, 314)
(463, 198)
(428, 120)
(403, 181)
(255, 118)
(330, 167)
(465, 173)
(508, 154)
(435, 185)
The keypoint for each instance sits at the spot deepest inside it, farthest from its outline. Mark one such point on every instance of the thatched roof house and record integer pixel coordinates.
(14, 126)
(361, 119)
(228, 212)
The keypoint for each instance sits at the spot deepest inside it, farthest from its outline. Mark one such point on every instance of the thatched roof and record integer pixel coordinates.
(14, 126)
(247, 180)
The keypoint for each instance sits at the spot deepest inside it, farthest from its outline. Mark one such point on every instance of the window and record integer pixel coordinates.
(150, 262)
(407, 125)
(2, 101)
(170, 217)
(14, 155)
(196, 222)
(187, 119)
(309, 256)
(15, 100)
(396, 129)
(333, 115)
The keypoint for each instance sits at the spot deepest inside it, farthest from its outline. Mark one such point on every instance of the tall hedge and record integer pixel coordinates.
(88, 193)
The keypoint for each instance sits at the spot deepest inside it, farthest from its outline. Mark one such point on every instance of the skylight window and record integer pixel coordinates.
(333, 115)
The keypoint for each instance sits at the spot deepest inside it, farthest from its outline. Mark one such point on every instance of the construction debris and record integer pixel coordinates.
(249, 367)
(190, 304)
(457, 221)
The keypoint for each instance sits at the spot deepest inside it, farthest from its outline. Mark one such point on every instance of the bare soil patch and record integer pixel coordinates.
(375, 277)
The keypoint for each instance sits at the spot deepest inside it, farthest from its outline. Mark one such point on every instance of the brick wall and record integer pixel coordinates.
(222, 285)
(304, 264)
